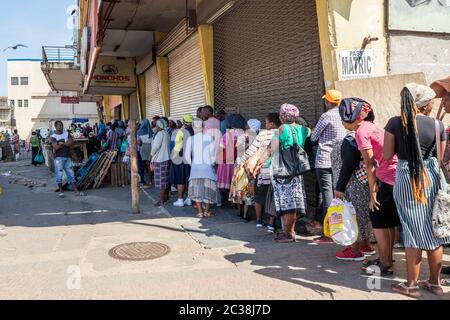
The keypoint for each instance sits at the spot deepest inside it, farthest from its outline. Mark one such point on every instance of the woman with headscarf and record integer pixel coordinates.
(144, 141)
(255, 162)
(243, 194)
(351, 183)
(412, 136)
(201, 154)
(288, 193)
(358, 116)
(227, 154)
(180, 170)
(161, 160)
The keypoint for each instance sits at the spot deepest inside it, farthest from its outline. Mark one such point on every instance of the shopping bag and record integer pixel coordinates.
(39, 158)
(340, 223)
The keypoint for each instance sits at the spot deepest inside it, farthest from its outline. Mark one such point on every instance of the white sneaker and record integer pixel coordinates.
(173, 189)
(179, 203)
(219, 204)
(188, 202)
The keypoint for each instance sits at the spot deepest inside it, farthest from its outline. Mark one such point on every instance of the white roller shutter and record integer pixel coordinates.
(187, 91)
(152, 97)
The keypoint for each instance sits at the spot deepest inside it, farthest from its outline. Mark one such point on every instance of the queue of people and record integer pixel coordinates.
(390, 174)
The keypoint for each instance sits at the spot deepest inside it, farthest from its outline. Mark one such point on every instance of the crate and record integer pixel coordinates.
(119, 175)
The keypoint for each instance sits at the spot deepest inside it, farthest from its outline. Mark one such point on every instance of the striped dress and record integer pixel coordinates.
(416, 218)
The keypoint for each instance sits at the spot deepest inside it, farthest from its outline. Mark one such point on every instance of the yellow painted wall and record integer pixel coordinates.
(343, 24)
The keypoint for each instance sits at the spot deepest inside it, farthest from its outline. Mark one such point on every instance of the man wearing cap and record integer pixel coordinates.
(328, 131)
(180, 170)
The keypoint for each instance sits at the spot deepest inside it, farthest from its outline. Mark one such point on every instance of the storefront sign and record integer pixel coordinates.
(114, 72)
(70, 100)
(355, 64)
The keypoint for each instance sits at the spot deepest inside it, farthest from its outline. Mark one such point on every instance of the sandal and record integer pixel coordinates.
(433, 288)
(367, 262)
(61, 195)
(402, 288)
(376, 264)
(200, 215)
(283, 238)
(209, 214)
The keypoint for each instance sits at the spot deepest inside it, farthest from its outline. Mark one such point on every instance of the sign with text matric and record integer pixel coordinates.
(114, 72)
(356, 64)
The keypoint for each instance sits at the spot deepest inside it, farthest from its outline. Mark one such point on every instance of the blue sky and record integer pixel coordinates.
(34, 23)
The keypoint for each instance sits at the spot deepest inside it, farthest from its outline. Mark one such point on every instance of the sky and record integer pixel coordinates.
(34, 23)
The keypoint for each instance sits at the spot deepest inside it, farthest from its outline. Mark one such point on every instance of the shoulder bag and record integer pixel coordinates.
(441, 208)
(290, 162)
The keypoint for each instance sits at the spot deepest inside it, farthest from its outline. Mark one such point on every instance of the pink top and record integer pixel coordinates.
(370, 135)
(212, 123)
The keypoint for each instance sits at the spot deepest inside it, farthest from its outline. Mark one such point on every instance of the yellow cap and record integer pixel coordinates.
(188, 118)
(333, 96)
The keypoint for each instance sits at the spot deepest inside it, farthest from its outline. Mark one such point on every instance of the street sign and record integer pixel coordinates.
(356, 64)
(70, 100)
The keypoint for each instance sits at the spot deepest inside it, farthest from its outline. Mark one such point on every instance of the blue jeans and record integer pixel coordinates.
(64, 164)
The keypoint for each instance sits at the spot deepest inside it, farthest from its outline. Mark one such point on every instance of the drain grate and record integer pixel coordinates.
(139, 251)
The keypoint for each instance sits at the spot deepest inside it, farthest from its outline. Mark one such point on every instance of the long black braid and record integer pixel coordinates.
(417, 172)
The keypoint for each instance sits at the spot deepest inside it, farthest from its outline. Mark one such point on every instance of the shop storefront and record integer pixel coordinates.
(152, 95)
(267, 53)
(186, 86)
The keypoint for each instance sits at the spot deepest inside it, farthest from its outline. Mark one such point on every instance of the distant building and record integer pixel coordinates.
(5, 114)
(34, 104)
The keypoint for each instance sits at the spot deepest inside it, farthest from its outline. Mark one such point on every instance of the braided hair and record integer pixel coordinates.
(418, 175)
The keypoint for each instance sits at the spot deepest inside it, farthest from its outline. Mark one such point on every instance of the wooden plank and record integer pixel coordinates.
(104, 171)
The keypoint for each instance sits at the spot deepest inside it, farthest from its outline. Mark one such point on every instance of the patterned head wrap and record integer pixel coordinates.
(422, 95)
(289, 112)
(254, 124)
(161, 123)
(352, 109)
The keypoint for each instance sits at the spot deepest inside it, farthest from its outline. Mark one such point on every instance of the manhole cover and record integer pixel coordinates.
(139, 251)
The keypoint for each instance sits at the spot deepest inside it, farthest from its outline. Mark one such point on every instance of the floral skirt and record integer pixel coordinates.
(289, 195)
(244, 195)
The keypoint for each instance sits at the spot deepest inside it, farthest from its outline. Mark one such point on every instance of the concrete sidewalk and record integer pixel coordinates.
(46, 238)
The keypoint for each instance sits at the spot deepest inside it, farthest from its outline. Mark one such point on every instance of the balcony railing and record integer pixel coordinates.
(67, 54)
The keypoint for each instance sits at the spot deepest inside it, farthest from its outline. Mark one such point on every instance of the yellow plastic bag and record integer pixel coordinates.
(340, 223)
(334, 220)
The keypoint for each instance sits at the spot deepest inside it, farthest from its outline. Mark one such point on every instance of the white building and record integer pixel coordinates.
(35, 104)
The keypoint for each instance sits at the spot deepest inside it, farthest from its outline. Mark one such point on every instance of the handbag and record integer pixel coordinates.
(290, 162)
(361, 174)
(441, 207)
(39, 158)
(124, 146)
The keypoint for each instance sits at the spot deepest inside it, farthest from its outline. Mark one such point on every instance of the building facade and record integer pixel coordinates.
(5, 114)
(34, 103)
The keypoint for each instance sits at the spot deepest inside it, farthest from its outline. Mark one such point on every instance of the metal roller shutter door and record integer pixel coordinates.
(186, 79)
(268, 53)
(152, 96)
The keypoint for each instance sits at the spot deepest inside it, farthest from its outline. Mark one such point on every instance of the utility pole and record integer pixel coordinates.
(135, 192)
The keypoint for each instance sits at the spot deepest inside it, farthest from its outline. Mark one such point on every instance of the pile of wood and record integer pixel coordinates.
(98, 172)
(119, 175)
